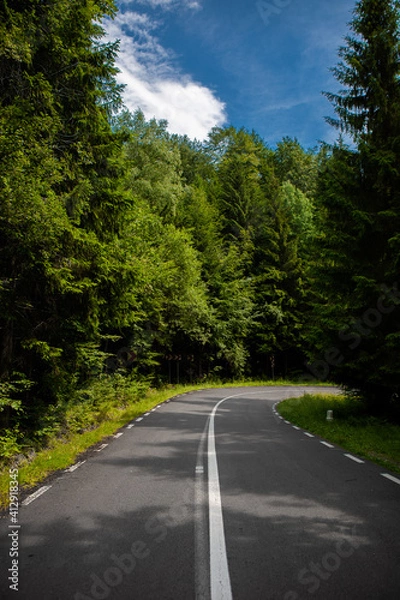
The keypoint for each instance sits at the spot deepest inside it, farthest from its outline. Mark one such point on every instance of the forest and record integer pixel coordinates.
(133, 256)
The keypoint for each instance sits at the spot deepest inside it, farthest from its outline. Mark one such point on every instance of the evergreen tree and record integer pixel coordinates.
(278, 292)
(59, 205)
(240, 195)
(153, 161)
(360, 199)
(296, 166)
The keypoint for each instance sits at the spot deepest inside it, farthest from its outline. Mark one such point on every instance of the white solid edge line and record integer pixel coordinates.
(357, 460)
(201, 549)
(35, 495)
(219, 571)
(394, 479)
(220, 582)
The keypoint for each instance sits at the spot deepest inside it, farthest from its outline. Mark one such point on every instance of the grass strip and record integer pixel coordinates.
(373, 438)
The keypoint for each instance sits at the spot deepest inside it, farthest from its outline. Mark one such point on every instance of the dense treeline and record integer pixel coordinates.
(357, 316)
(125, 249)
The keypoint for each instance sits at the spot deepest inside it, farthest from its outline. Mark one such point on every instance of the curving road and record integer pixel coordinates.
(211, 496)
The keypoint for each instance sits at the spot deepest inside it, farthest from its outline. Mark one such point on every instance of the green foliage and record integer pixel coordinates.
(358, 201)
(240, 194)
(99, 401)
(9, 391)
(299, 210)
(153, 161)
(58, 195)
(296, 166)
(123, 248)
(278, 285)
(9, 443)
(368, 107)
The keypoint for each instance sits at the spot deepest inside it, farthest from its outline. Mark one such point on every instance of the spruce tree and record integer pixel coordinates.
(359, 195)
(59, 202)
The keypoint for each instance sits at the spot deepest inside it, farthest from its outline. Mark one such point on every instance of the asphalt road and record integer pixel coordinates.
(211, 496)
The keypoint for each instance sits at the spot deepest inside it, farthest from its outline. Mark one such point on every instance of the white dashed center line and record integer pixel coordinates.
(35, 495)
(357, 460)
(75, 467)
(327, 445)
(101, 447)
(394, 479)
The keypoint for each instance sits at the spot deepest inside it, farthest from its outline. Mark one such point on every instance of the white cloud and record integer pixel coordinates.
(192, 4)
(155, 84)
(165, 4)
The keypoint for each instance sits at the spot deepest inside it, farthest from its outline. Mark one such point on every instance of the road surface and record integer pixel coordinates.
(211, 496)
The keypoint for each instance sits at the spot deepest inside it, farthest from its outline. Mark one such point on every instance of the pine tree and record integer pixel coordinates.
(240, 195)
(368, 106)
(360, 199)
(59, 204)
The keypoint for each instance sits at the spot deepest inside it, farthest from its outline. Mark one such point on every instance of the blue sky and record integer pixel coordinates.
(261, 65)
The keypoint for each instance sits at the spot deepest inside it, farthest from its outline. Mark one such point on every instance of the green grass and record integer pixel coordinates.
(352, 428)
(103, 409)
